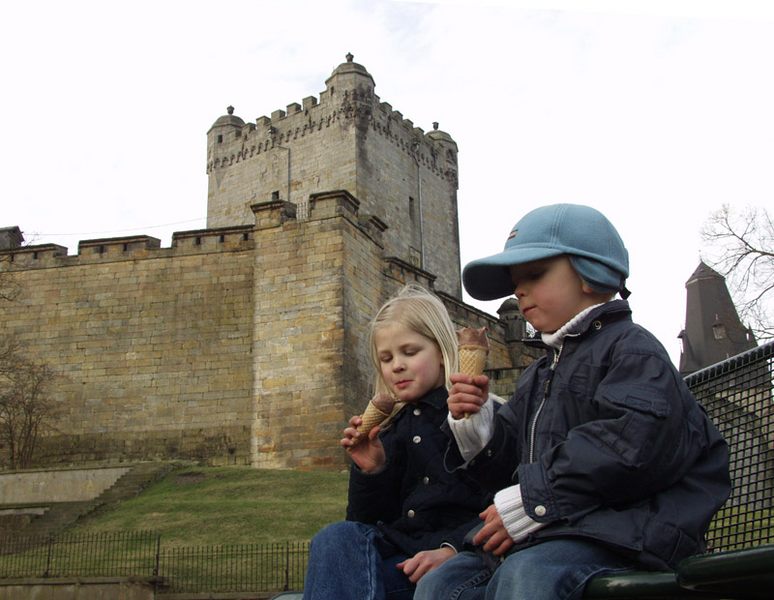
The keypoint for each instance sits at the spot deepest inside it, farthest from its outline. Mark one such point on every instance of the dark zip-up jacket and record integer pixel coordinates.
(415, 502)
(607, 443)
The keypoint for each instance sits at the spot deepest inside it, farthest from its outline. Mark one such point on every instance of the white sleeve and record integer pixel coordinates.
(474, 431)
(510, 507)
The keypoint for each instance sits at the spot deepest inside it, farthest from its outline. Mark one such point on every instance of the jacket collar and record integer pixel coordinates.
(580, 324)
(436, 398)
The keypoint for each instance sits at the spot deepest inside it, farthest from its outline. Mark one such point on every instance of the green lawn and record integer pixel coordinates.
(195, 506)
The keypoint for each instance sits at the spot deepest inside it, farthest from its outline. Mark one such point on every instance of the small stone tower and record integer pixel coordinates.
(348, 141)
(713, 331)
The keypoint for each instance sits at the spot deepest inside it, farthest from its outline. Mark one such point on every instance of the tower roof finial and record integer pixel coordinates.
(230, 110)
(349, 57)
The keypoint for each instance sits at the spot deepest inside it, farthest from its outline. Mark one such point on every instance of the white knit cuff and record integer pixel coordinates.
(511, 510)
(473, 433)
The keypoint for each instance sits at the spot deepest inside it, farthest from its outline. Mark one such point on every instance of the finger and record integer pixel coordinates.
(503, 547)
(418, 573)
(459, 378)
(493, 542)
(408, 566)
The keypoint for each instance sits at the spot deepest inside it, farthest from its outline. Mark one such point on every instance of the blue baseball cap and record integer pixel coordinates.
(592, 244)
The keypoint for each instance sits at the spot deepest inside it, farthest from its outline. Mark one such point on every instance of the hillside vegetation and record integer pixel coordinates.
(195, 506)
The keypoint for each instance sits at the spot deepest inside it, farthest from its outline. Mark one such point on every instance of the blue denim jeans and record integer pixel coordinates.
(552, 570)
(352, 561)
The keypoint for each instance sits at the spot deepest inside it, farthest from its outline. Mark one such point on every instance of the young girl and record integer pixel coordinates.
(406, 514)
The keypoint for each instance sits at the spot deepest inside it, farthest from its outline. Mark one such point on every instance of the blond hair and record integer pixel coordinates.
(422, 312)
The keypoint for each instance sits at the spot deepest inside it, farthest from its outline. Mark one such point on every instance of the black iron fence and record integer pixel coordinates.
(222, 568)
(737, 394)
(121, 554)
(235, 568)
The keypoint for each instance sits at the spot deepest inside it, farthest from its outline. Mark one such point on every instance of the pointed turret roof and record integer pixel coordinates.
(713, 331)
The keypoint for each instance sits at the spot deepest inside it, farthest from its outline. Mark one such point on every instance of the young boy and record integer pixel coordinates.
(602, 460)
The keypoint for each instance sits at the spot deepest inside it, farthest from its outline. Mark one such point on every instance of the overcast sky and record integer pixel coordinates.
(655, 112)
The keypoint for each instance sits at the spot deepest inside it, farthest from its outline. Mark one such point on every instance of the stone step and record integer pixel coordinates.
(62, 515)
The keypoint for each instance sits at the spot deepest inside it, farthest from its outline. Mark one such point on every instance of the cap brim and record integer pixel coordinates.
(490, 278)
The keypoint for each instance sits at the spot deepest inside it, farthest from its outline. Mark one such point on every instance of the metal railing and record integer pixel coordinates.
(120, 554)
(737, 395)
(235, 567)
(222, 568)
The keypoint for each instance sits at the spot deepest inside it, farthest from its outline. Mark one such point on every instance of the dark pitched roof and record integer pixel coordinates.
(713, 331)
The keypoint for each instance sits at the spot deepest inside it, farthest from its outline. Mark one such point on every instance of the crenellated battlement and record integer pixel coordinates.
(435, 150)
(232, 141)
(268, 215)
(140, 247)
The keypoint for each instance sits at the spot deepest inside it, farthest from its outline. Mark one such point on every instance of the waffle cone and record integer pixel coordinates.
(372, 417)
(473, 359)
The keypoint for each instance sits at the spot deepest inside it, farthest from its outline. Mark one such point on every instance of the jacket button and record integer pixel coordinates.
(410, 514)
(417, 411)
(597, 325)
(426, 480)
(540, 510)
(417, 439)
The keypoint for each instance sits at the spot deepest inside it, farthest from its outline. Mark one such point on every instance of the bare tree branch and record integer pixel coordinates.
(25, 406)
(740, 245)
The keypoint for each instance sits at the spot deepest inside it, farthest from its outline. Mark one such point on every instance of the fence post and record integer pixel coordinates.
(287, 566)
(158, 555)
(48, 556)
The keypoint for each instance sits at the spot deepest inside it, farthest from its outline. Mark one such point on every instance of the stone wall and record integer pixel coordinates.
(151, 346)
(65, 485)
(243, 345)
(80, 588)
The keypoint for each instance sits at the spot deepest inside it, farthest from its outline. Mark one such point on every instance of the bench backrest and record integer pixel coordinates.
(737, 395)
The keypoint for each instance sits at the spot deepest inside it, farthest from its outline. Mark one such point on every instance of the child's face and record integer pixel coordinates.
(550, 292)
(411, 364)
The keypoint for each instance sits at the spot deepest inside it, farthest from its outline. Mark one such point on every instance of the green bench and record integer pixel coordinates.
(739, 564)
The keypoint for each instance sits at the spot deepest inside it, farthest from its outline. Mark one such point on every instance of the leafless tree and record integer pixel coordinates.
(25, 406)
(9, 286)
(740, 246)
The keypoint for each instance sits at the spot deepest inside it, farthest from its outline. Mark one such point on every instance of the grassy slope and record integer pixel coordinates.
(228, 505)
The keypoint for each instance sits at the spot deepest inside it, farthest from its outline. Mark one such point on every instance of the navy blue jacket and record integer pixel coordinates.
(608, 443)
(414, 501)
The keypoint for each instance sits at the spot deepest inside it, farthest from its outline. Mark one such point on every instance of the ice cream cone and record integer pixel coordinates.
(378, 409)
(473, 347)
(473, 359)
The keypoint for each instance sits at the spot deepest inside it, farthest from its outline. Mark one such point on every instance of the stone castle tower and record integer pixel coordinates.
(245, 343)
(349, 140)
